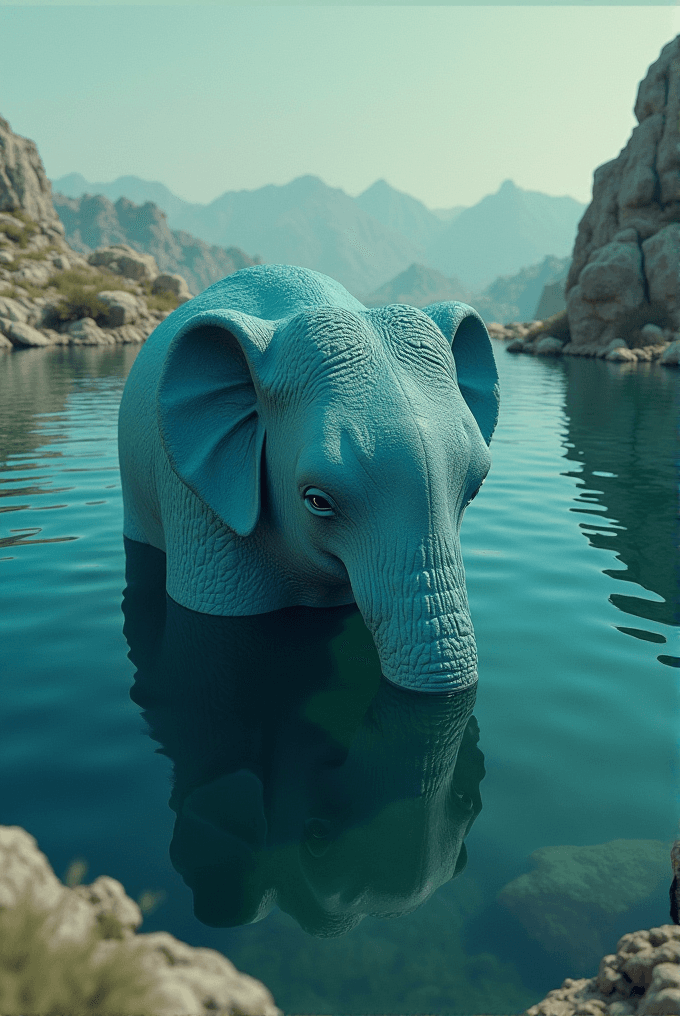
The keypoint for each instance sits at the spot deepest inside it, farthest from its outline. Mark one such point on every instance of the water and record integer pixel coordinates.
(571, 574)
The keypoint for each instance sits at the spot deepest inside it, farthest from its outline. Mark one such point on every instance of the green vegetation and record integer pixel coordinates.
(159, 301)
(20, 235)
(37, 976)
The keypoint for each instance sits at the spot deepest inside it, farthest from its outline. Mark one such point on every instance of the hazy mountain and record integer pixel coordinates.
(365, 242)
(400, 212)
(503, 232)
(94, 221)
(418, 286)
(131, 187)
(509, 298)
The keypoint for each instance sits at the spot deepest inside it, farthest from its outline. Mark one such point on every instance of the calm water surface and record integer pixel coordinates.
(573, 586)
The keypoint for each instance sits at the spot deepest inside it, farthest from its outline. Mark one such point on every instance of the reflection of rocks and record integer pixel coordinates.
(625, 270)
(185, 981)
(642, 978)
(574, 894)
(621, 431)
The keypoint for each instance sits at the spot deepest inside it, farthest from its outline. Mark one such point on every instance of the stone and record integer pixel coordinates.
(125, 260)
(34, 273)
(626, 260)
(6, 258)
(24, 335)
(662, 268)
(574, 893)
(12, 309)
(671, 354)
(62, 262)
(124, 308)
(86, 332)
(516, 346)
(185, 981)
(5, 342)
(620, 355)
(549, 346)
(175, 284)
(23, 181)
(651, 335)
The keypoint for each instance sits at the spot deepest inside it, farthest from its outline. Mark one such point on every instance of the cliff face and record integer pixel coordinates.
(23, 181)
(625, 270)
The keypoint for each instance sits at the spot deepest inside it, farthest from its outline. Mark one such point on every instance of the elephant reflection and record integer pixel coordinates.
(301, 777)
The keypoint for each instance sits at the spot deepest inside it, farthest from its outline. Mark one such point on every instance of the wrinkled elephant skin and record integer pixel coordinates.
(286, 446)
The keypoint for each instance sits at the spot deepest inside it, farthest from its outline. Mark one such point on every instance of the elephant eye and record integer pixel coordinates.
(317, 502)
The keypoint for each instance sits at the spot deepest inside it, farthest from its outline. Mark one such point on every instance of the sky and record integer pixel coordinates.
(443, 102)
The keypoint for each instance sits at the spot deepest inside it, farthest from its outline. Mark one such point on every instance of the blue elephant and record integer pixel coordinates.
(286, 446)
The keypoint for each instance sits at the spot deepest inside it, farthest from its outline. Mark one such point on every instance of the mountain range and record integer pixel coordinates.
(367, 241)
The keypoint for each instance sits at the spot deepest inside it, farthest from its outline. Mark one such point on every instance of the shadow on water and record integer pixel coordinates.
(623, 432)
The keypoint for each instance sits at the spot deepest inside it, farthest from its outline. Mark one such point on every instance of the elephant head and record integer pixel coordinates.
(286, 446)
(302, 778)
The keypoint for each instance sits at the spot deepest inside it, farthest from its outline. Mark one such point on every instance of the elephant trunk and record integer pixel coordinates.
(420, 619)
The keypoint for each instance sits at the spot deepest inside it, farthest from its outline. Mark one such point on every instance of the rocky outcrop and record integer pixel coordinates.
(23, 181)
(641, 979)
(93, 221)
(92, 929)
(625, 270)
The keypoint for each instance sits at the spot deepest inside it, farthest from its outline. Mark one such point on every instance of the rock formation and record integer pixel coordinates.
(625, 270)
(90, 926)
(50, 295)
(92, 222)
(23, 181)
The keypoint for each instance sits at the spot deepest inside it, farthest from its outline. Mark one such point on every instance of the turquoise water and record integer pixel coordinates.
(572, 580)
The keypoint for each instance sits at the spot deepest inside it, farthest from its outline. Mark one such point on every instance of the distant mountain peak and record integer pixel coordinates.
(507, 185)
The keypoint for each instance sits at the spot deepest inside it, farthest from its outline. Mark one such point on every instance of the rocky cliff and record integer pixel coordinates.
(625, 270)
(51, 295)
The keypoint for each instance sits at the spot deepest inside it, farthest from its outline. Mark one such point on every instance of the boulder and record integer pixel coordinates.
(185, 981)
(11, 309)
(176, 284)
(23, 181)
(549, 346)
(35, 273)
(86, 332)
(620, 355)
(125, 260)
(123, 308)
(671, 355)
(625, 269)
(574, 893)
(24, 335)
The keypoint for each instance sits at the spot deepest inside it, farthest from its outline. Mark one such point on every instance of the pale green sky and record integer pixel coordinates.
(444, 102)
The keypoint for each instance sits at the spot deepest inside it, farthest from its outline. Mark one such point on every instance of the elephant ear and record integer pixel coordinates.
(208, 413)
(473, 356)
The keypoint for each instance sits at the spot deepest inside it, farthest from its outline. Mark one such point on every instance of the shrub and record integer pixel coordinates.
(20, 236)
(79, 291)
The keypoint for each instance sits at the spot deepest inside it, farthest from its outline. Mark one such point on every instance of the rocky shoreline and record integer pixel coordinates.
(552, 338)
(91, 931)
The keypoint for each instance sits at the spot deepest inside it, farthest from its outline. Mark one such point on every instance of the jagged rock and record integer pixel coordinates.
(627, 253)
(23, 181)
(176, 284)
(641, 979)
(124, 260)
(124, 308)
(186, 981)
(549, 346)
(24, 335)
(86, 332)
(34, 273)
